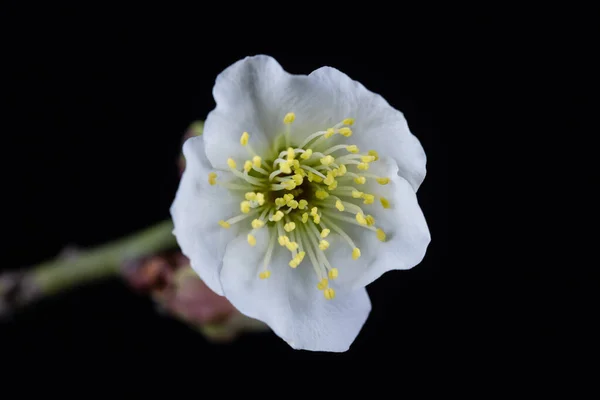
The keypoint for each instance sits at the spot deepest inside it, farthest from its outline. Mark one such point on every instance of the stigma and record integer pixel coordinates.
(303, 192)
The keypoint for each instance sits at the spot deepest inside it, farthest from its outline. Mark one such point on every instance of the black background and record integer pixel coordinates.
(98, 101)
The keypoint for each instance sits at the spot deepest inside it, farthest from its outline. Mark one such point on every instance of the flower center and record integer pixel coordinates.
(301, 193)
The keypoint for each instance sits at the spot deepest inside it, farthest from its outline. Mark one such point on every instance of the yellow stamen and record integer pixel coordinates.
(332, 186)
(284, 166)
(333, 273)
(289, 118)
(302, 204)
(293, 204)
(277, 216)
(290, 154)
(356, 194)
(348, 121)
(383, 181)
(307, 154)
(231, 163)
(212, 178)
(384, 202)
(317, 219)
(360, 180)
(250, 196)
(370, 220)
(283, 240)
(264, 274)
(224, 224)
(352, 149)
(330, 132)
(245, 207)
(321, 194)
(291, 246)
(251, 240)
(374, 154)
(290, 226)
(256, 160)
(257, 223)
(347, 132)
(329, 293)
(367, 159)
(260, 198)
(369, 198)
(339, 205)
(363, 166)
(355, 253)
(323, 244)
(323, 283)
(325, 233)
(361, 219)
(244, 138)
(327, 160)
(248, 166)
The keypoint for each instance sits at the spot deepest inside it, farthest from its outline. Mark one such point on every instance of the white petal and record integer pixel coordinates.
(404, 224)
(289, 301)
(378, 126)
(196, 210)
(253, 95)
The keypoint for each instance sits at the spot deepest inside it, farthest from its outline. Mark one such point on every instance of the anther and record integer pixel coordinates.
(247, 166)
(323, 244)
(264, 274)
(245, 207)
(356, 194)
(284, 166)
(251, 240)
(355, 253)
(290, 154)
(329, 293)
(327, 160)
(348, 121)
(307, 154)
(325, 233)
(347, 132)
(363, 166)
(361, 219)
(321, 194)
(360, 180)
(244, 138)
(302, 204)
(339, 205)
(381, 235)
(212, 178)
(289, 118)
(323, 283)
(383, 181)
(374, 154)
(290, 226)
(256, 160)
(333, 273)
(352, 149)
(257, 223)
(384, 202)
(231, 163)
(224, 224)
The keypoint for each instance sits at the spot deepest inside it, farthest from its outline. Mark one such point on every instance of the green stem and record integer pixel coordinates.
(102, 262)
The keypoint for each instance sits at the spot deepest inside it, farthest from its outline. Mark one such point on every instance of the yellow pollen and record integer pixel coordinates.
(280, 202)
(256, 160)
(245, 207)
(384, 202)
(352, 149)
(356, 194)
(290, 154)
(304, 217)
(231, 163)
(244, 138)
(323, 283)
(300, 171)
(361, 219)
(355, 253)
(212, 178)
(283, 240)
(288, 197)
(264, 274)
(251, 240)
(363, 166)
(317, 219)
(342, 170)
(347, 132)
(224, 224)
(327, 160)
(289, 185)
(369, 198)
(325, 233)
(291, 246)
(284, 166)
(250, 196)
(330, 132)
(330, 178)
(302, 204)
(247, 166)
(333, 273)
(370, 220)
(314, 211)
(323, 244)
(289, 118)
(260, 198)
(293, 204)
(257, 223)
(339, 205)
(367, 159)
(293, 263)
(334, 172)
(360, 180)
(298, 179)
(332, 186)
(317, 178)
(381, 235)
(277, 216)
(329, 293)
(307, 154)
(348, 121)
(300, 256)
(383, 181)
(374, 154)
(290, 226)
(321, 194)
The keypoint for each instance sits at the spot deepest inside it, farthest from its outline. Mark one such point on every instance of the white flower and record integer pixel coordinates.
(300, 192)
